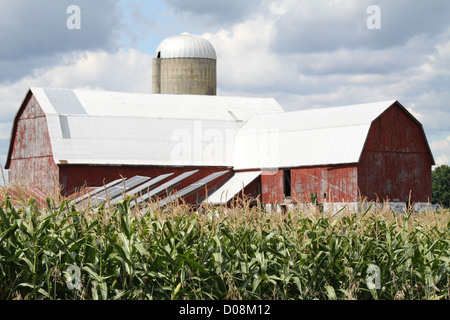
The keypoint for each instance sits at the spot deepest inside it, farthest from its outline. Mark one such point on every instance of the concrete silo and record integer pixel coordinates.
(185, 64)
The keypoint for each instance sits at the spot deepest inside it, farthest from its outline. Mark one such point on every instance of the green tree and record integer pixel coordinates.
(440, 178)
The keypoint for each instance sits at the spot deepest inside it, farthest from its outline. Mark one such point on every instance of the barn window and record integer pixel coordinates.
(287, 183)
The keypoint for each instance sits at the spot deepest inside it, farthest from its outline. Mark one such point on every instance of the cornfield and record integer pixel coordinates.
(218, 253)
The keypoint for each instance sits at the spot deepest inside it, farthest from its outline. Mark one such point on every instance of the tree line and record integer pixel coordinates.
(440, 178)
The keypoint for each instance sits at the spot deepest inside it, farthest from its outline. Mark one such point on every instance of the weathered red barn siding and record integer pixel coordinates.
(31, 157)
(396, 159)
(72, 177)
(272, 187)
(332, 183)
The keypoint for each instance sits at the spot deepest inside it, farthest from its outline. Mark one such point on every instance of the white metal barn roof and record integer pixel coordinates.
(107, 128)
(306, 138)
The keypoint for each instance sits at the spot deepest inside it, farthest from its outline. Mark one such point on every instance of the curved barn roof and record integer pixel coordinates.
(116, 128)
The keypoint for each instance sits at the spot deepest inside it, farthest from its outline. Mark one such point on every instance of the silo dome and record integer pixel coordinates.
(186, 45)
(185, 64)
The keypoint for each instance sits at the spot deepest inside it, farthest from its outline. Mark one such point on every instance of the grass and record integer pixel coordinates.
(61, 252)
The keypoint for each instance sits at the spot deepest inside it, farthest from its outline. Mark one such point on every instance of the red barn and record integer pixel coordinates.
(375, 151)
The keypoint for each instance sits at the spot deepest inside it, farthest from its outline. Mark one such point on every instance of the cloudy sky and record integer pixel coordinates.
(304, 53)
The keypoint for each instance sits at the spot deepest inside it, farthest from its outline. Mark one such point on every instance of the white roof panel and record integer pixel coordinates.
(232, 187)
(162, 188)
(98, 190)
(64, 101)
(192, 188)
(134, 141)
(140, 189)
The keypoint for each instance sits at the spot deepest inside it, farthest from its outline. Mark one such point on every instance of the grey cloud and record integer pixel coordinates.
(17, 69)
(34, 31)
(221, 12)
(317, 27)
(362, 61)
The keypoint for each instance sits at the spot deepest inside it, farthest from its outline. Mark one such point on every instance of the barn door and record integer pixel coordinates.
(287, 183)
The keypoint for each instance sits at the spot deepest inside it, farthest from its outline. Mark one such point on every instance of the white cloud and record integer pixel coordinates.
(441, 151)
(244, 60)
(5, 130)
(122, 71)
